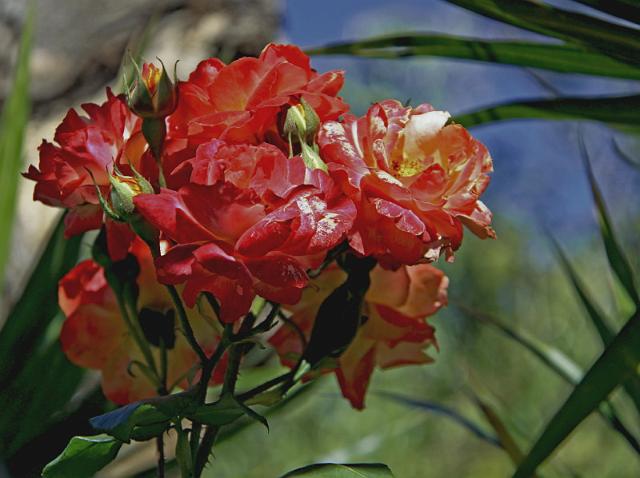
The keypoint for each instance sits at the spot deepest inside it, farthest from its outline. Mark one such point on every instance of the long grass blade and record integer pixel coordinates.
(442, 410)
(13, 122)
(614, 40)
(556, 361)
(594, 312)
(616, 256)
(618, 363)
(502, 432)
(616, 110)
(626, 9)
(561, 58)
(25, 327)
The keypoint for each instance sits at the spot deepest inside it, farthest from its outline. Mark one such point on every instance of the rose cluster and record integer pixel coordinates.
(252, 182)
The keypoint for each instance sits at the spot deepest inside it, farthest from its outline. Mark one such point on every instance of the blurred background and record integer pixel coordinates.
(421, 421)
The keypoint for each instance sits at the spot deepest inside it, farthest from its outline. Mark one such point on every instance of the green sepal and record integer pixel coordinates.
(311, 158)
(165, 100)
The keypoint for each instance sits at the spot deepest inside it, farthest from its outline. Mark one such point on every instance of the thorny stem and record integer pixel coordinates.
(303, 342)
(204, 448)
(249, 394)
(233, 365)
(160, 447)
(228, 387)
(162, 390)
(136, 333)
(164, 368)
(202, 456)
(184, 322)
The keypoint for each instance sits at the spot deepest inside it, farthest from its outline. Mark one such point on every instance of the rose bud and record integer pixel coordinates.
(152, 94)
(123, 189)
(302, 124)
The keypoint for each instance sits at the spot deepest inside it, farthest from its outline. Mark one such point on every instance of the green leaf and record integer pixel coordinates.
(332, 470)
(616, 256)
(224, 411)
(228, 433)
(13, 122)
(617, 364)
(439, 409)
(626, 9)
(27, 323)
(122, 422)
(83, 457)
(617, 41)
(615, 110)
(556, 361)
(562, 58)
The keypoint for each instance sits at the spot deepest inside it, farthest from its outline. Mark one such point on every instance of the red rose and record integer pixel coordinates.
(415, 179)
(247, 220)
(109, 135)
(244, 102)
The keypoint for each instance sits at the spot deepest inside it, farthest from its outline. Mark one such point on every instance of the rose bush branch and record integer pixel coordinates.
(249, 206)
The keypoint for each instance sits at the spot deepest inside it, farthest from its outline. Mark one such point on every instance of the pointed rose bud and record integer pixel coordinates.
(301, 126)
(302, 122)
(152, 95)
(123, 189)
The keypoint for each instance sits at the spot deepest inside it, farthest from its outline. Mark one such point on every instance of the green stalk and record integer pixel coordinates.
(186, 326)
(136, 332)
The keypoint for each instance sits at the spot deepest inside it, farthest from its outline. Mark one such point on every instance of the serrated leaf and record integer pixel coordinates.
(83, 457)
(618, 363)
(13, 123)
(615, 110)
(224, 411)
(333, 470)
(561, 58)
(227, 433)
(120, 423)
(615, 40)
(148, 432)
(254, 415)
